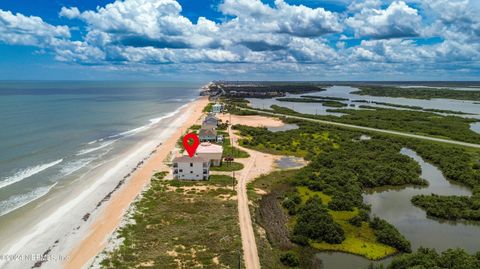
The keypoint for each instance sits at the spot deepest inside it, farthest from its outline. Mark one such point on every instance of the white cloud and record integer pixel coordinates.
(260, 38)
(69, 13)
(301, 21)
(154, 31)
(358, 5)
(18, 29)
(398, 20)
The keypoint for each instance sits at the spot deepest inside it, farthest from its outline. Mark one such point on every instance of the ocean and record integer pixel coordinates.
(54, 132)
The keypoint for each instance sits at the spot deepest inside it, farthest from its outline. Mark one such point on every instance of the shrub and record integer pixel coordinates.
(290, 259)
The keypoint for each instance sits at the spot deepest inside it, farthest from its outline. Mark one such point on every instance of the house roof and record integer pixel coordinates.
(187, 159)
(207, 131)
(211, 116)
(210, 119)
(209, 148)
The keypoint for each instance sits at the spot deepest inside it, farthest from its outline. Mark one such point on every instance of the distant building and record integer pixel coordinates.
(195, 168)
(210, 121)
(217, 108)
(211, 152)
(207, 134)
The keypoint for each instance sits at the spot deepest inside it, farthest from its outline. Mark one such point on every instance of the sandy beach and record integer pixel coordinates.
(68, 227)
(107, 221)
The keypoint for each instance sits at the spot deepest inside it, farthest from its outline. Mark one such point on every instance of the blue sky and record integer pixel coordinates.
(240, 39)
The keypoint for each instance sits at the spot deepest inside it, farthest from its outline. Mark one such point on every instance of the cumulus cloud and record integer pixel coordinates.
(257, 37)
(155, 31)
(398, 20)
(69, 13)
(294, 20)
(18, 29)
(358, 5)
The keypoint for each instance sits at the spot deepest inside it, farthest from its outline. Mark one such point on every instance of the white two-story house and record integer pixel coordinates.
(195, 168)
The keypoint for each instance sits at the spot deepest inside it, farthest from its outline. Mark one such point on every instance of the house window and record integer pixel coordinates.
(191, 172)
(181, 170)
(191, 164)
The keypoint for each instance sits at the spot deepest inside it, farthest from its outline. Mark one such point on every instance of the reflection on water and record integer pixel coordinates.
(393, 205)
(475, 127)
(338, 260)
(285, 127)
(345, 92)
(290, 162)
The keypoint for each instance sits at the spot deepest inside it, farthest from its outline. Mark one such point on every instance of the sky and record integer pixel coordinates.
(202, 40)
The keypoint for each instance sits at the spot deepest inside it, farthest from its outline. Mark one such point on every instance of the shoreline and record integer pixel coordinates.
(58, 221)
(111, 215)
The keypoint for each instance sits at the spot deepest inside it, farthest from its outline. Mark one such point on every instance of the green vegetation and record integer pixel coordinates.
(418, 93)
(208, 107)
(424, 123)
(181, 225)
(328, 103)
(271, 218)
(450, 207)
(315, 223)
(386, 233)
(425, 258)
(360, 238)
(227, 167)
(458, 165)
(290, 259)
(326, 209)
(421, 108)
(229, 150)
(232, 106)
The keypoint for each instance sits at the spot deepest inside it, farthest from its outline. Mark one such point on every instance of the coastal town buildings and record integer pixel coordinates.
(207, 134)
(210, 121)
(217, 108)
(194, 168)
(211, 152)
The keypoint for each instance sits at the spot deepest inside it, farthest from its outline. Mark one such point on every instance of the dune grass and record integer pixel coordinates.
(228, 167)
(179, 224)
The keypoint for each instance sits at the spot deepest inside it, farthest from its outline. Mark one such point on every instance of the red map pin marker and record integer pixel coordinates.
(191, 148)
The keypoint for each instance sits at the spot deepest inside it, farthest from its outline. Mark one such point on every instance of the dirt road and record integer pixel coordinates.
(257, 164)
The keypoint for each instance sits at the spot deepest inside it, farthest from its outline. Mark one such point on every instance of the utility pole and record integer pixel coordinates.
(233, 181)
(239, 259)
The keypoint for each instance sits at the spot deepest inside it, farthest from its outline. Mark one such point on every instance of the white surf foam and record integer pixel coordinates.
(152, 122)
(89, 150)
(63, 209)
(26, 173)
(18, 201)
(73, 166)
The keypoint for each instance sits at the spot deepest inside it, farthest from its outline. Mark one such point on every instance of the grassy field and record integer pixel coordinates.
(358, 240)
(181, 225)
(227, 167)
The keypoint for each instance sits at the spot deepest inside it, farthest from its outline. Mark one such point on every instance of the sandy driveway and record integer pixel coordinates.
(256, 165)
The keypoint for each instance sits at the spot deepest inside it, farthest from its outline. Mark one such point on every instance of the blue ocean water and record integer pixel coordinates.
(52, 131)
